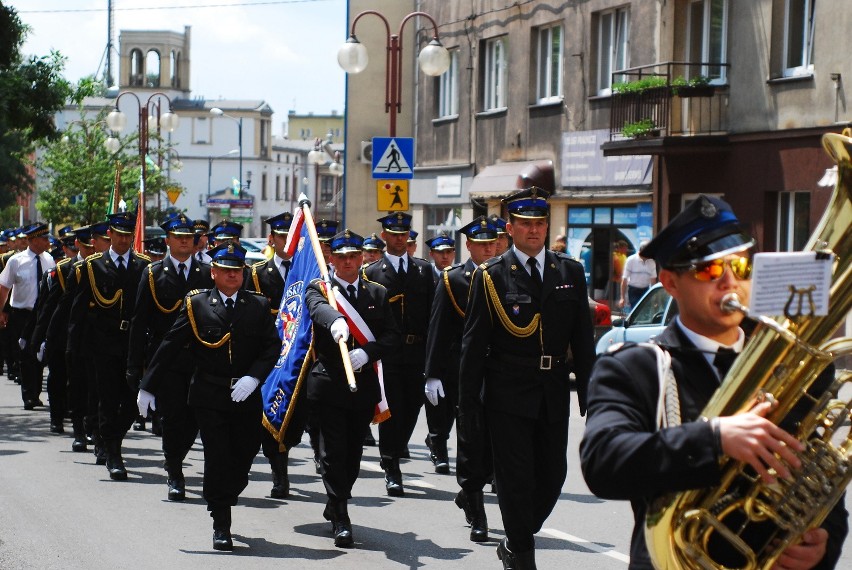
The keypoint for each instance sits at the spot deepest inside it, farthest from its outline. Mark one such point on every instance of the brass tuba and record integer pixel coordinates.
(745, 523)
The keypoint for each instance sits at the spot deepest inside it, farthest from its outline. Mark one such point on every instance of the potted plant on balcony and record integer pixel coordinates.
(698, 86)
(642, 129)
(641, 86)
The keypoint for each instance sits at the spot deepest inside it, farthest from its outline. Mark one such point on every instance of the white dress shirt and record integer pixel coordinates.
(523, 257)
(394, 259)
(19, 275)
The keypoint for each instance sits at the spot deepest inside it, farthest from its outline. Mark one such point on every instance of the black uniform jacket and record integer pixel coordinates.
(104, 299)
(266, 280)
(510, 325)
(443, 345)
(625, 456)
(55, 337)
(411, 302)
(159, 298)
(221, 350)
(327, 381)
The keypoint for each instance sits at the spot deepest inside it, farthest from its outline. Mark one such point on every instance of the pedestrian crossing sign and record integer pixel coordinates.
(391, 195)
(393, 158)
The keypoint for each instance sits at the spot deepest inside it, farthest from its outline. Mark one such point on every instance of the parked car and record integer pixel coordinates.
(601, 318)
(648, 318)
(254, 252)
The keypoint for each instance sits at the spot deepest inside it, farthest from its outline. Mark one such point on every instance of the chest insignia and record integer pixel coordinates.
(516, 309)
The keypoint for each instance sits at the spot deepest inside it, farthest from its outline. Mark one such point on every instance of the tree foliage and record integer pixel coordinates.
(31, 91)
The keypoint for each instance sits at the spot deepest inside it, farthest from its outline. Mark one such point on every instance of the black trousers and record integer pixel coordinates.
(117, 407)
(30, 370)
(57, 382)
(178, 420)
(530, 466)
(341, 439)
(231, 441)
(404, 392)
(474, 460)
(440, 418)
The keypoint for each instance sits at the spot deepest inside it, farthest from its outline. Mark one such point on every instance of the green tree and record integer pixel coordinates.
(31, 91)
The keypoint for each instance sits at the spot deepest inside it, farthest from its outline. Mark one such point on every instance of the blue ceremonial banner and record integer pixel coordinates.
(283, 385)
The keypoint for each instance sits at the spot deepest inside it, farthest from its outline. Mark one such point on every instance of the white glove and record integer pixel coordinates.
(243, 388)
(358, 358)
(339, 330)
(22, 343)
(145, 400)
(40, 353)
(434, 389)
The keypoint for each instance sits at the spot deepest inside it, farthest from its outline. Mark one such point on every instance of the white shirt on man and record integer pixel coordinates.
(19, 275)
(639, 272)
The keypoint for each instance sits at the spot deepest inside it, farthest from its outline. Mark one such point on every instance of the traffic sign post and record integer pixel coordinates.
(393, 158)
(391, 195)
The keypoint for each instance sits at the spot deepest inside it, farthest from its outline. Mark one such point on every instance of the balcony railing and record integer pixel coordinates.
(669, 99)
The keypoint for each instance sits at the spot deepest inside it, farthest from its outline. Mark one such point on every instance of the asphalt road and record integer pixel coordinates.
(60, 510)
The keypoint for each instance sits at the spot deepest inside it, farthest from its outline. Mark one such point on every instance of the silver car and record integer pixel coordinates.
(648, 318)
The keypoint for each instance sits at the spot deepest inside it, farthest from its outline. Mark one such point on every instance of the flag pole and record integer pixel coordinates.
(139, 235)
(305, 204)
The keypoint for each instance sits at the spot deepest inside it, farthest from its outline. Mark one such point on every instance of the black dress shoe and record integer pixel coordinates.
(317, 465)
(280, 486)
(222, 540)
(115, 466)
(393, 485)
(79, 445)
(343, 535)
(177, 489)
(57, 427)
(506, 556)
(29, 405)
(139, 425)
(100, 455)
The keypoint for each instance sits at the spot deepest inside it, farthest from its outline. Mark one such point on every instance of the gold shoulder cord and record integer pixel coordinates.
(501, 314)
(223, 340)
(450, 293)
(254, 278)
(59, 276)
(394, 299)
(102, 301)
(154, 294)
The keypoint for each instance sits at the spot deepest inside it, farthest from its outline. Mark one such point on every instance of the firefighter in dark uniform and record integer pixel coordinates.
(442, 250)
(51, 331)
(342, 418)
(504, 242)
(326, 229)
(268, 278)
(201, 228)
(411, 242)
(233, 346)
(410, 292)
(527, 309)
(373, 248)
(162, 289)
(443, 349)
(103, 306)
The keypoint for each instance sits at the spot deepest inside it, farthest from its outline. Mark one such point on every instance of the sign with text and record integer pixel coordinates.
(583, 162)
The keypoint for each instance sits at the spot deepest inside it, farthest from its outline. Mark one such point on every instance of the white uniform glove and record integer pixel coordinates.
(434, 389)
(358, 358)
(339, 330)
(243, 388)
(40, 353)
(22, 343)
(145, 400)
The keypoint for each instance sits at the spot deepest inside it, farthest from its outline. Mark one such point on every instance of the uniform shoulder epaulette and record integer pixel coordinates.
(143, 256)
(259, 295)
(454, 267)
(194, 292)
(94, 256)
(259, 263)
(419, 259)
(377, 284)
(564, 256)
(64, 261)
(491, 262)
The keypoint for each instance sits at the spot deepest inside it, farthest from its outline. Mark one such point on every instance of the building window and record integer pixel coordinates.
(448, 88)
(708, 38)
(794, 214)
(494, 92)
(326, 190)
(152, 69)
(444, 219)
(277, 187)
(263, 194)
(613, 33)
(264, 138)
(549, 64)
(137, 67)
(287, 188)
(201, 130)
(798, 37)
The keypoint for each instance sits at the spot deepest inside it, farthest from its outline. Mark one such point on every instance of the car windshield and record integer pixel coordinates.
(651, 309)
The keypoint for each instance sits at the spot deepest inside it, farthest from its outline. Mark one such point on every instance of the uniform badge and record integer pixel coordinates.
(516, 309)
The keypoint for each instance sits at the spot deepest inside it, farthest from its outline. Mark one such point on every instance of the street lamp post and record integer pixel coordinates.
(220, 113)
(116, 121)
(434, 60)
(210, 160)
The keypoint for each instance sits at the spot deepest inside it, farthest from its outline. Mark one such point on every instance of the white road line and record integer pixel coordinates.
(586, 544)
(371, 466)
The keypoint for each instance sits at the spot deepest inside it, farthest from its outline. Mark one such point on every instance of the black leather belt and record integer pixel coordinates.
(413, 339)
(224, 381)
(543, 362)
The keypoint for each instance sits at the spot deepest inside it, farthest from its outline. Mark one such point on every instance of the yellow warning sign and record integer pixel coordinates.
(173, 192)
(391, 195)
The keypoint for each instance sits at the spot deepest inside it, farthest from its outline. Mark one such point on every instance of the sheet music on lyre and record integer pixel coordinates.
(791, 283)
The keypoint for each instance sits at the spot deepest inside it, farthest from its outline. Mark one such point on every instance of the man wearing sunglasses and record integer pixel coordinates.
(703, 255)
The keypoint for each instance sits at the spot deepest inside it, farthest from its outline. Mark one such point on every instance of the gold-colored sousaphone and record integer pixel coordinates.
(745, 523)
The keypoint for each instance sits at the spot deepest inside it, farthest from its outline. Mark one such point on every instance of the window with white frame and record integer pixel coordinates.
(707, 38)
(549, 64)
(448, 88)
(201, 130)
(613, 33)
(798, 37)
(794, 214)
(494, 88)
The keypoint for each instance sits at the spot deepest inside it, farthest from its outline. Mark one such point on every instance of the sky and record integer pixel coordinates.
(280, 51)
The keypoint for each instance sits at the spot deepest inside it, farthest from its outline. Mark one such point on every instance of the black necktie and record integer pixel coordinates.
(229, 306)
(199, 256)
(534, 272)
(401, 269)
(352, 296)
(182, 272)
(282, 269)
(119, 263)
(38, 277)
(724, 360)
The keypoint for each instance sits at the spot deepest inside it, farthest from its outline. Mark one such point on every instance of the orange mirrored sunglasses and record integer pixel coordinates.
(714, 270)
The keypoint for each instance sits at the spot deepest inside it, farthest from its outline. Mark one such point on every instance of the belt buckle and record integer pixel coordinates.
(409, 339)
(234, 382)
(124, 325)
(545, 362)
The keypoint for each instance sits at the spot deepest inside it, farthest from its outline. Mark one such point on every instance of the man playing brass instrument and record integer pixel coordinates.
(703, 256)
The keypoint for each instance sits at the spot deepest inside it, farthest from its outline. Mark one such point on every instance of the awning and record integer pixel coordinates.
(500, 179)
